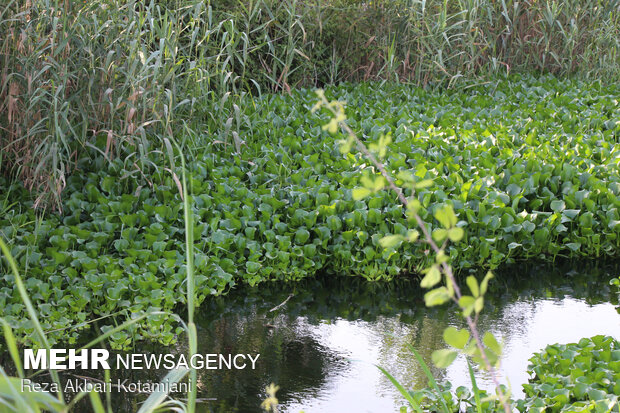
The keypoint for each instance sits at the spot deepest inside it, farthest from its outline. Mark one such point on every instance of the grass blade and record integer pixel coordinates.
(475, 388)
(156, 398)
(415, 405)
(430, 377)
(12, 345)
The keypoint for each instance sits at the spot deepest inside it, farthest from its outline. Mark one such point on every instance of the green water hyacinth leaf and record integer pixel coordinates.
(444, 358)
(558, 206)
(301, 236)
(455, 337)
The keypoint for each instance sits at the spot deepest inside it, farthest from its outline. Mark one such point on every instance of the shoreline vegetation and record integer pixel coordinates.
(153, 154)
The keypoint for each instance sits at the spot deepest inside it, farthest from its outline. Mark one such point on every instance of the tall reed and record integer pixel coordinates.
(115, 77)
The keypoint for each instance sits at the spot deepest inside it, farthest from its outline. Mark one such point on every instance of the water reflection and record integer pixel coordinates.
(321, 347)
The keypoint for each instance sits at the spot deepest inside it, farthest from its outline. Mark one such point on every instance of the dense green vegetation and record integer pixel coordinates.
(530, 167)
(575, 377)
(134, 73)
(504, 113)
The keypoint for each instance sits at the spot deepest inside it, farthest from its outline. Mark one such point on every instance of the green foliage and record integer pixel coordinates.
(575, 377)
(616, 282)
(15, 398)
(460, 399)
(121, 76)
(283, 207)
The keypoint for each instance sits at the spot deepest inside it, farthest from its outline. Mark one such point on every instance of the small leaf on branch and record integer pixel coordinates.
(466, 303)
(456, 234)
(455, 337)
(446, 217)
(425, 183)
(432, 277)
(491, 342)
(440, 234)
(444, 357)
(360, 193)
(472, 283)
(437, 296)
(390, 241)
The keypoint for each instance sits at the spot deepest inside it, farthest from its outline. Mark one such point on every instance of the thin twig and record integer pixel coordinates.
(277, 307)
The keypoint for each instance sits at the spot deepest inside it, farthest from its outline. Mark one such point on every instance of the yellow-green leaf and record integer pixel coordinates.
(466, 303)
(455, 337)
(412, 235)
(456, 234)
(425, 183)
(479, 304)
(390, 241)
(491, 342)
(444, 357)
(446, 217)
(437, 296)
(432, 277)
(485, 282)
(440, 234)
(360, 193)
(472, 283)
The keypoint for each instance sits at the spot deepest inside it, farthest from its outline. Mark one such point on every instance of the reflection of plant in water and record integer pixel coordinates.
(484, 350)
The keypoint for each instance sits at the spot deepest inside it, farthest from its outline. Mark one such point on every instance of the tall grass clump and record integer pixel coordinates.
(429, 40)
(114, 78)
(97, 74)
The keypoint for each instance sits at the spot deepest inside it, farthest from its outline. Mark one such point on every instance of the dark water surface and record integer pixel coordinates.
(322, 345)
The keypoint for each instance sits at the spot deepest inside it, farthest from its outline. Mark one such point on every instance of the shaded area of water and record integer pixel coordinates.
(321, 343)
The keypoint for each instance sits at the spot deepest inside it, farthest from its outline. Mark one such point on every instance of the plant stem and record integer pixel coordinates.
(447, 269)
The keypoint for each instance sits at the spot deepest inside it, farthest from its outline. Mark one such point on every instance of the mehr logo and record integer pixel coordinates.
(91, 359)
(88, 359)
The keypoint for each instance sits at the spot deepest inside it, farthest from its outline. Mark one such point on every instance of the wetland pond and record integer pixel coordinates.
(322, 344)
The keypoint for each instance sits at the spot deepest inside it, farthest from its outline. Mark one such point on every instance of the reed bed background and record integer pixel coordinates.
(119, 78)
